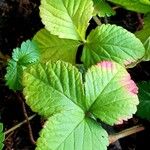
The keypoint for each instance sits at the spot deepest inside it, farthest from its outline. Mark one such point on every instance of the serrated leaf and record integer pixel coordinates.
(142, 6)
(144, 36)
(57, 91)
(2, 136)
(111, 42)
(14, 74)
(66, 18)
(68, 131)
(111, 94)
(53, 48)
(102, 8)
(144, 97)
(53, 86)
(21, 57)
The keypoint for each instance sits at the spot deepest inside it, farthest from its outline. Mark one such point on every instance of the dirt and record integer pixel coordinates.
(19, 21)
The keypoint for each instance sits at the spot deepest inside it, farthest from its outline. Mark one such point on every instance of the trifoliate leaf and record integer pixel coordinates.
(69, 131)
(144, 36)
(111, 42)
(144, 97)
(21, 57)
(111, 94)
(102, 8)
(142, 6)
(53, 48)
(57, 91)
(66, 18)
(2, 136)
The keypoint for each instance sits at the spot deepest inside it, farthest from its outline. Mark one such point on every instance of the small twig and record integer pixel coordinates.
(116, 7)
(124, 133)
(97, 20)
(26, 117)
(105, 20)
(19, 125)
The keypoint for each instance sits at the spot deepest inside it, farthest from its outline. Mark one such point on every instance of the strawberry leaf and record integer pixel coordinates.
(57, 91)
(110, 42)
(142, 6)
(21, 58)
(53, 48)
(102, 8)
(67, 18)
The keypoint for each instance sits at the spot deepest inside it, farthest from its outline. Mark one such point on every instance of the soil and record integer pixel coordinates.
(19, 21)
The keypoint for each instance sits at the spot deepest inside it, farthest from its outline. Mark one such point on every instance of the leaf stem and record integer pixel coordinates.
(126, 132)
(97, 20)
(19, 125)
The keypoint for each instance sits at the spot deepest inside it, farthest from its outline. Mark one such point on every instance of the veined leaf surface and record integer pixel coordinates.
(67, 18)
(53, 48)
(111, 42)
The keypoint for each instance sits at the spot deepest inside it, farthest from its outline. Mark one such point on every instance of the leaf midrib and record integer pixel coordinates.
(62, 94)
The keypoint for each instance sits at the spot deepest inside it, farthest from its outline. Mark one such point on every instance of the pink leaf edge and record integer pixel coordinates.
(105, 64)
(129, 84)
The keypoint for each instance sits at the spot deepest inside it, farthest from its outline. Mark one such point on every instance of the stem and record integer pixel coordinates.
(19, 125)
(97, 20)
(26, 117)
(124, 133)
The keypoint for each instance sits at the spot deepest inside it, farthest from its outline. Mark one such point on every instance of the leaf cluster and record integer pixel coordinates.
(72, 101)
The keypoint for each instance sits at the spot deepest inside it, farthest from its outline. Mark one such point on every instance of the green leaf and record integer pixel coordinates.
(21, 57)
(68, 131)
(142, 6)
(144, 36)
(56, 90)
(102, 8)
(111, 42)
(54, 48)
(2, 136)
(67, 18)
(111, 94)
(53, 86)
(144, 97)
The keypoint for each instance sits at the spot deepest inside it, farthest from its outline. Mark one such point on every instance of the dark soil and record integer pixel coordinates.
(19, 21)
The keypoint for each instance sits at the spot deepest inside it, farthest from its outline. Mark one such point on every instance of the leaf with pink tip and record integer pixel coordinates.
(110, 92)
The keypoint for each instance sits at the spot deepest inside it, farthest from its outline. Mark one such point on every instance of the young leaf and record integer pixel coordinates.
(67, 18)
(70, 131)
(110, 42)
(21, 57)
(53, 48)
(144, 97)
(144, 36)
(111, 94)
(2, 136)
(102, 8)
(142, 6)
